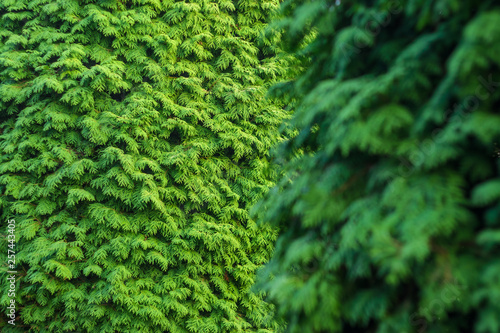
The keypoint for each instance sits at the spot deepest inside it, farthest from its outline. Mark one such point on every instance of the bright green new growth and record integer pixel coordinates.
(393, 224)
(134, 138)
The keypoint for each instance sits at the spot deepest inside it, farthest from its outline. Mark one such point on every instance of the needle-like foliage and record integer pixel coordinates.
(134, 137)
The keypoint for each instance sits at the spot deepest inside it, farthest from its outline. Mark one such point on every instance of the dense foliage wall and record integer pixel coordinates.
(134, 138)
(390, 210)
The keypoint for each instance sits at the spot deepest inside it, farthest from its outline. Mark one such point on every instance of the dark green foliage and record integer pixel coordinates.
(390, 209)
(134, 138)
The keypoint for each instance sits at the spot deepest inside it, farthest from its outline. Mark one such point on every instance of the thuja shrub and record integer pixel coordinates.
(134, 137)
(390, 209)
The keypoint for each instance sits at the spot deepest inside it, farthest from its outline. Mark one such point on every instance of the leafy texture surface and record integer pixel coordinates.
(134, 138)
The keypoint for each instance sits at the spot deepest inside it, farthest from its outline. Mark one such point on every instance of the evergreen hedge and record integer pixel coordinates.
(390, 210)
(134, 138)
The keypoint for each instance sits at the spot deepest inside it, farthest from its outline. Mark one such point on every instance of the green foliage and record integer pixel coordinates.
(134, 138)
(389, 209)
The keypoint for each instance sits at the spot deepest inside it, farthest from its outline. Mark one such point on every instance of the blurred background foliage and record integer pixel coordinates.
(389, 210)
